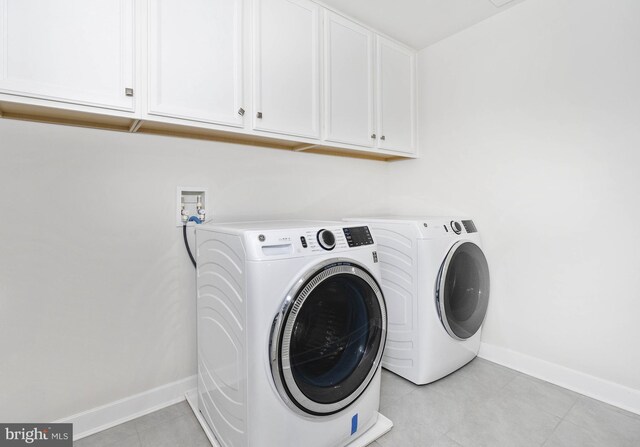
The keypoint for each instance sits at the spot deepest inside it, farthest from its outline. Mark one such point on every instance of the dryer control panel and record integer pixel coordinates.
(468, 225)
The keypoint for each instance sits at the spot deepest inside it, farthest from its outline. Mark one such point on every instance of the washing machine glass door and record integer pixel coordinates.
(462, 293)
(328, 338)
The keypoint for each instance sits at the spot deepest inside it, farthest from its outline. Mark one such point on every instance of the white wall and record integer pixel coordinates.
(530, 123)
(96, 290)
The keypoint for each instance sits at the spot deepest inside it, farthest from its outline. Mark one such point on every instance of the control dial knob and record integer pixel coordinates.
(456, 227)
(326, 239)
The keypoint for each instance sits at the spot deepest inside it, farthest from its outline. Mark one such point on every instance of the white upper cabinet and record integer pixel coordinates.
(290, 72)
(396, 127)
(74, 51)
(286, 67)
(195, 60)
(348, 76)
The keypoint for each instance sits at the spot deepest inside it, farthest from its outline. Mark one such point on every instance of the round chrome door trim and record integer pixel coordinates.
(440, 294)
(282, 327)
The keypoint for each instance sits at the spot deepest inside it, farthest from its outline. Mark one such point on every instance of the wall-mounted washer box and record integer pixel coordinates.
(190, 198)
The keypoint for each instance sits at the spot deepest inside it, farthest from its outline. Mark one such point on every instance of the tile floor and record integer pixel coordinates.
(482, 404)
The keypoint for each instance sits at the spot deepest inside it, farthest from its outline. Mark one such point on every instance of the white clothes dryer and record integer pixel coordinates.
(291, 330)
(435, 279)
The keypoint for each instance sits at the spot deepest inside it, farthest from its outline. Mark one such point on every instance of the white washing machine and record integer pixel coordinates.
(435, 280)
(291, 330)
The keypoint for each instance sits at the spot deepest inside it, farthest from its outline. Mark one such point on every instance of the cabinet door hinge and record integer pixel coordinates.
(128, 91)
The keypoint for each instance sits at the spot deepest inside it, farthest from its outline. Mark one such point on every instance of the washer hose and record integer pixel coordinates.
(186, 241)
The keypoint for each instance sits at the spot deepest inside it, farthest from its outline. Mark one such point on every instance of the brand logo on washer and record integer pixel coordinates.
(261, 237)
(375, 256)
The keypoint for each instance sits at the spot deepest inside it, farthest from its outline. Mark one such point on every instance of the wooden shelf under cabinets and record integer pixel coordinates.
(38, 113)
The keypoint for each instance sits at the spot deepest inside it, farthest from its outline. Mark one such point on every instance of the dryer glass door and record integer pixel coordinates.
(328, 339)
(463, 290)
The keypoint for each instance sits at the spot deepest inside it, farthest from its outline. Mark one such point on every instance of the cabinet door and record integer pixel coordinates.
(74, 51)
(287, 67)
(396, 97)
(195, 60)
(348, 82)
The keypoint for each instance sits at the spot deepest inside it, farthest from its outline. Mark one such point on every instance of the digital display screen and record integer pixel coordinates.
(358, 236)
(469, 226)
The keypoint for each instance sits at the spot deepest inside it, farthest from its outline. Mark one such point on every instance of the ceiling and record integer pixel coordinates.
(419, 23)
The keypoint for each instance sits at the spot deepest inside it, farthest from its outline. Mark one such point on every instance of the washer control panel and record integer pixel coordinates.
(322, 239)
(326, 239)
(280, 243)
(358, 236)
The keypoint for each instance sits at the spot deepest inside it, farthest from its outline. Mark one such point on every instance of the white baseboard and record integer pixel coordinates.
(594, 387)
(123, 410)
